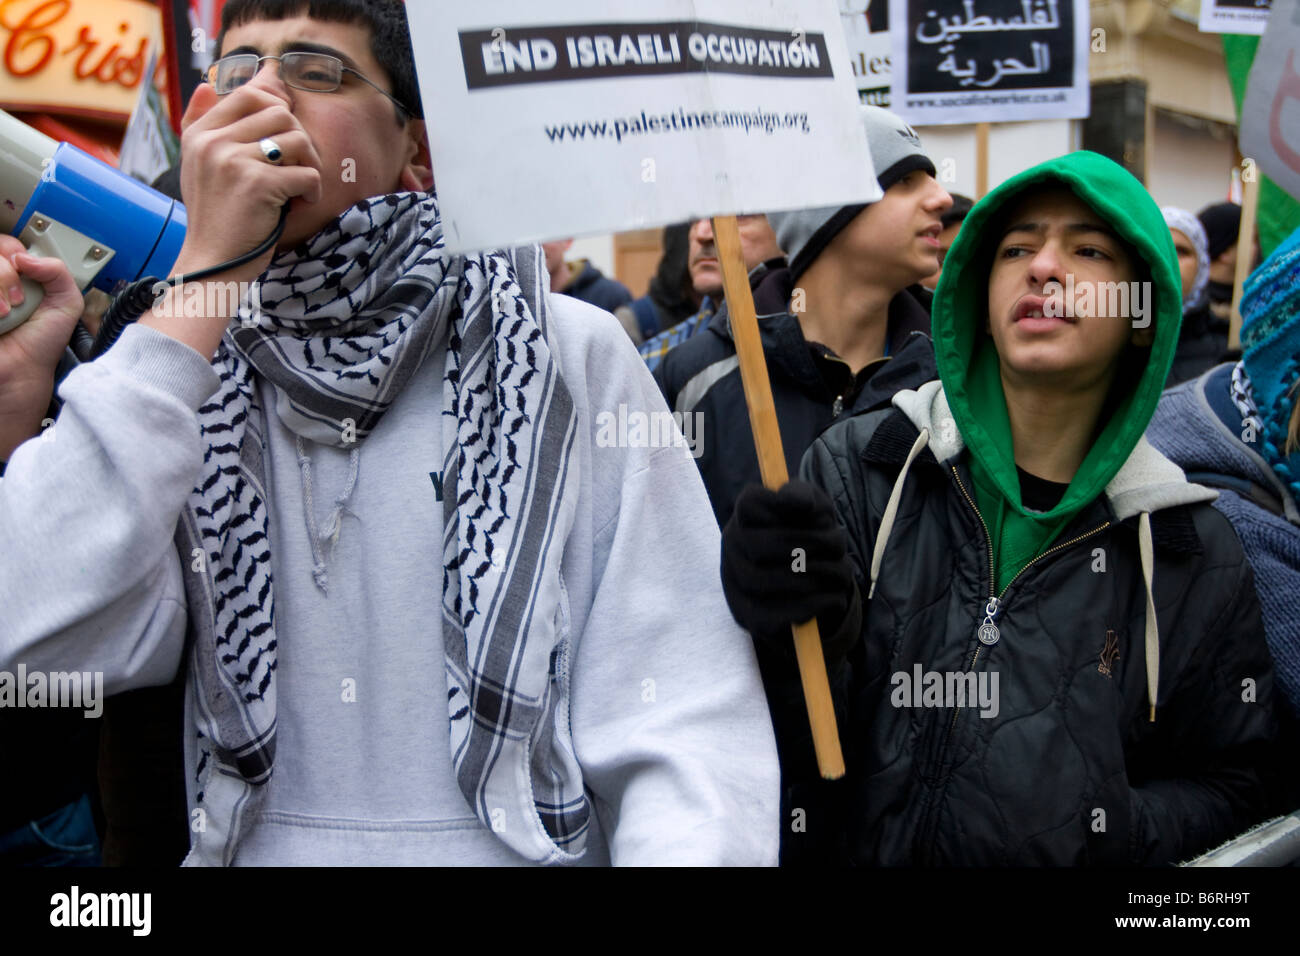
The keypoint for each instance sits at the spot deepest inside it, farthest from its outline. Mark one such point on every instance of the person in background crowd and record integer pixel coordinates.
(952, 220)
(1236, 428)
(671, 298)
(761, 254)
(1203, 339)
(758, 243)
(1222, 222)
(1048, 626)
(581, 279)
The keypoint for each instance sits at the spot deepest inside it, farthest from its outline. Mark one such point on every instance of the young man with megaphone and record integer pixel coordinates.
(384, 484)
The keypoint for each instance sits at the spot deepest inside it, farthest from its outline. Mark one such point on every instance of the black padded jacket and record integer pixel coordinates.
(1060, 763)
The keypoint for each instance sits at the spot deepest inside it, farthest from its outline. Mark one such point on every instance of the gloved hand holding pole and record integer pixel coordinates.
(771, 463)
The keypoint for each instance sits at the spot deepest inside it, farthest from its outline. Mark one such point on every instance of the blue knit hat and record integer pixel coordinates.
(1270, 343)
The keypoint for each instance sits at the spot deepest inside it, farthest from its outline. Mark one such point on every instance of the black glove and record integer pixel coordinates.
(767, 582)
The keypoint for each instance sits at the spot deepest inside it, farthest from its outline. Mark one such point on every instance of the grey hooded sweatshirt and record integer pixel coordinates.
(668, 716)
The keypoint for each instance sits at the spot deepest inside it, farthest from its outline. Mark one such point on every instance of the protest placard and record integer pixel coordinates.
(1270, 114)
(600, 120)
(972, 61)
(593, 116)
(1234, 16)
(149, 147)
(866, 33)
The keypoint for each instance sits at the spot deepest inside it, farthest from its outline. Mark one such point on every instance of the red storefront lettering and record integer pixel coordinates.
(32, 35)
(31, 31)
(112, 67)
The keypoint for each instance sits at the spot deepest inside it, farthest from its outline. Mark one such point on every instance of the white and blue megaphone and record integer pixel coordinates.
(61, 202)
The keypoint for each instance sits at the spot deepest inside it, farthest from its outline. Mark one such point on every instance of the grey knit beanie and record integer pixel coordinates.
(895, 152)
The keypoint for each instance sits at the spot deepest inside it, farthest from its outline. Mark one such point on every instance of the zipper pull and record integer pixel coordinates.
(837, 407)
(988, 632)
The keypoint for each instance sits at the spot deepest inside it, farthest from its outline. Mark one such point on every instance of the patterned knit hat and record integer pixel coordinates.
(1191, 227)
(1270, 342)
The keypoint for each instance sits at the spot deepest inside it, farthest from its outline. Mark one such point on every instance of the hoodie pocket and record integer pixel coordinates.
(560, 743)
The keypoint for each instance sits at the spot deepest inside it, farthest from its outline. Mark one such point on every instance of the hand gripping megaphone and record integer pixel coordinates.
(61, 202)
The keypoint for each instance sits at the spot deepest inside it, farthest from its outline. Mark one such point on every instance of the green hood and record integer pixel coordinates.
(968, 362)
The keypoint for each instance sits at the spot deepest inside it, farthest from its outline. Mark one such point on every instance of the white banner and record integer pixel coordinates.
(149, 147)
(591, 116)
(866, 33)
(1270, 114)
(989, 61)
(1234, 16)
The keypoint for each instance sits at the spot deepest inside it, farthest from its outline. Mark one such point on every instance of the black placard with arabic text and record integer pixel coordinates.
(960, 46)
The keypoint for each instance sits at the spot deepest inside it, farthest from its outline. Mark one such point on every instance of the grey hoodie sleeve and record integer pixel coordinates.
(89, 578)
(669, 721)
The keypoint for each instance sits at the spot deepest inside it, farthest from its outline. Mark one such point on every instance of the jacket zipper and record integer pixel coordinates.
(988, 538)
(990, 610)
(838, 405)
(996, 600)
(994, 606)
(1064, 544)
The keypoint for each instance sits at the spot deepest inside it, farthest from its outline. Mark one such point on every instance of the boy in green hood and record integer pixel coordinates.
(1055, 647)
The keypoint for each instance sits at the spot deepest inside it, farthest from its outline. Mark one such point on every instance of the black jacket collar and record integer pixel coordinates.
(1173, 530)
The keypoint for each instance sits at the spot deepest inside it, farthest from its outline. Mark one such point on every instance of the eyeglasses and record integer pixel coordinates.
(314, 72)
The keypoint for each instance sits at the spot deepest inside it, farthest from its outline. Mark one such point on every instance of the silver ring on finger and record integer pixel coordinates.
(272, 151)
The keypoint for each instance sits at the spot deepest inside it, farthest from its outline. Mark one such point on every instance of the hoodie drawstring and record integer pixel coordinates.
(323, 543)
(891, 509)
(1145, 549)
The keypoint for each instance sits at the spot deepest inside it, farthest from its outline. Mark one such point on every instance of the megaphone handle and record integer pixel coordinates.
(33, 293)
(47, 237)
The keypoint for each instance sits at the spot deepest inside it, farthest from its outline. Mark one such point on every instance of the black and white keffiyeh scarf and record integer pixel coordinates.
(338, 327)
(1242, 395)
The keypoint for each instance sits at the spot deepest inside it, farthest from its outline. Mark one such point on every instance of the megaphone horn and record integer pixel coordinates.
(61, 202)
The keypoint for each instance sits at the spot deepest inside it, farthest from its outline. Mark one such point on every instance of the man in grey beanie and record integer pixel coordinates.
(848, 300)
(844, 327)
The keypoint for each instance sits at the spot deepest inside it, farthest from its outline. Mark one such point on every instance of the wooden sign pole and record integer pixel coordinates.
(1245, 256)
(981, 159)
(771, 464)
